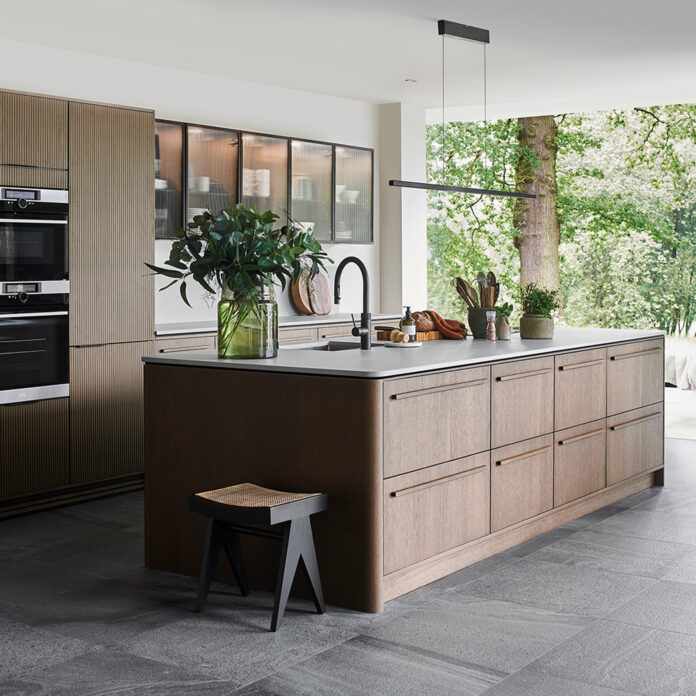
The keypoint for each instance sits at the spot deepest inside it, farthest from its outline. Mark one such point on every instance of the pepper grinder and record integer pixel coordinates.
(490, 330)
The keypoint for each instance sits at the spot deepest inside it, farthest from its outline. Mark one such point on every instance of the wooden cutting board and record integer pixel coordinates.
(299, 292)
(319, 294)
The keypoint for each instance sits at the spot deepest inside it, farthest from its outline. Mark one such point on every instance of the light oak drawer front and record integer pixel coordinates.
(521, 401)
(335, 330)
(635, 443)
(436, 509)
(579, 462)
(521, 481)
(635, 375)
(436, 418)
(297, 335)
(581, 388)
(184, 343)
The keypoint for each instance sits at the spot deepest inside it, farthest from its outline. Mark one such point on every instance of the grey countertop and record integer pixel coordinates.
(290, 320)
(383, 362)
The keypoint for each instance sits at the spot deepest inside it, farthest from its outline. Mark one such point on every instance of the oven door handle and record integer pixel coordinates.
(29, 221)
(28, 315)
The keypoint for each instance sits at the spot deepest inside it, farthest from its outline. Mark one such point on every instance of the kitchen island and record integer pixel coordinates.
(433, 457)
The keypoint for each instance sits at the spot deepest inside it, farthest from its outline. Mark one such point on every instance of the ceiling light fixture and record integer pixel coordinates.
(482, 36)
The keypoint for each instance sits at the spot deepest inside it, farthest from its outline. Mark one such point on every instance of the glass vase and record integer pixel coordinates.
(248, 327)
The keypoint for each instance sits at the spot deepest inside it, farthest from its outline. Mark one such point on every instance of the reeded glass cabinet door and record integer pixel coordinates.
(353, 195)
(212, 169)
(310, 204)
(169, 152)
(265, 174)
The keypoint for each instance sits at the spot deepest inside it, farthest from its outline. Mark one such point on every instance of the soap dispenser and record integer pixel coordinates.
(408, 325)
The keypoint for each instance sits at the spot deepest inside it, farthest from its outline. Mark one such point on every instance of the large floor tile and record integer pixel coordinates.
(636, 659)
(367, 666)
(612, 552)
(528, 683)
(497, 635)
(670, 606)
(559, 588)
(652, 524)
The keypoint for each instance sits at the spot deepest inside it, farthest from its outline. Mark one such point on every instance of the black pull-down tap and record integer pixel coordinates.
(365, 330)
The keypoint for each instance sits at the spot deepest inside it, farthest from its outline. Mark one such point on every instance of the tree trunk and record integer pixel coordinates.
(536, 221)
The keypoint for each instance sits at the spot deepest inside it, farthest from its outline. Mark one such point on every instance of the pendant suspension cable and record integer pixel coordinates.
(444, 136)
(485, 108)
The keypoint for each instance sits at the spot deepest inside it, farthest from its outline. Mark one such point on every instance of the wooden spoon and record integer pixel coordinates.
(461, 291)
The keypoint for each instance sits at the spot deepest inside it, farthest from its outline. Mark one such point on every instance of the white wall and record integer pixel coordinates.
(187, 96)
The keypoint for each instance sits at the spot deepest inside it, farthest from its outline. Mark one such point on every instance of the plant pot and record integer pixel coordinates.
(478, 321)
(502, 329)
(248, 327)
(536, 326)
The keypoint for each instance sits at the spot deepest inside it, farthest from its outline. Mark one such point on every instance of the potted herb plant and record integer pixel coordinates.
(502, 323)
(240, 253)
(537, 305)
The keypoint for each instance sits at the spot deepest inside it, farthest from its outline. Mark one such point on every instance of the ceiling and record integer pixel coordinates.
(544, 54)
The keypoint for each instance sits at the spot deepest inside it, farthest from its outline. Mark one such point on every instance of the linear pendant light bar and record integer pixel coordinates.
(478, 35)
(458, 189)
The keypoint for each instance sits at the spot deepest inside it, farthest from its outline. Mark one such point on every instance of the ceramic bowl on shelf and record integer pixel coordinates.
(350, 196)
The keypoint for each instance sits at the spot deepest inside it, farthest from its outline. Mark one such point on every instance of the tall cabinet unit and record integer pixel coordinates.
(111, 313)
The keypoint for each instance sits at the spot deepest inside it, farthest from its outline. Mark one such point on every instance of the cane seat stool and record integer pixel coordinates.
(236, 510)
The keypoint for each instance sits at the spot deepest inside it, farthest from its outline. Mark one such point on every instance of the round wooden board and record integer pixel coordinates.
(299, 292)
(320, 294)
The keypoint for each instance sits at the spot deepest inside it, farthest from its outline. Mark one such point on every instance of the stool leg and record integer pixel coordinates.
(233, 549)
(310, 565)
(289, 557)
(213, 541)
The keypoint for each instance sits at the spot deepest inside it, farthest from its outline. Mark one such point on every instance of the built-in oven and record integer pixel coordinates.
(34, 294)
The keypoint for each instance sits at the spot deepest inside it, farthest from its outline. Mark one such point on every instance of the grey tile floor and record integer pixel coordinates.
(603, 606)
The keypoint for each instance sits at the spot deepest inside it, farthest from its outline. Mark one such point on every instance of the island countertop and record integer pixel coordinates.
(382, 362)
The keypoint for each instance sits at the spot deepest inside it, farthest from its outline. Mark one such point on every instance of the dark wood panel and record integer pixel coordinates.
(33, 177)
(106, 411)
(111, 224)
(33, 447)
(33, 131)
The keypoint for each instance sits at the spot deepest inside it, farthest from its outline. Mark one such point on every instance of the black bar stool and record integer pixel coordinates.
(231, 510)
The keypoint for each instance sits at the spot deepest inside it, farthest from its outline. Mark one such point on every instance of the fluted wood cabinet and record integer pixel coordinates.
(111, 224)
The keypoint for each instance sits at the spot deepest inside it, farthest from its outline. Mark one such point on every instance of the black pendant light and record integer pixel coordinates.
(482, 36)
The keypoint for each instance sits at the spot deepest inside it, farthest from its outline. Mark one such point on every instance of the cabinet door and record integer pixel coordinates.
(635, 443)
(169, 177)
(174, 344)
(106, 411)
(635, 375)
(33, 447)
(111, 224)
(299, 335)
(265, 174)
(436, 509)
(579, 462)
(521, 481)
(435, 418)
(581, 387)
(354, 182)
(33, 131)
(311, 174)
(521, 400)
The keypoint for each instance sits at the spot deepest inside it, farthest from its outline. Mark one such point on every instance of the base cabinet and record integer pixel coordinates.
(635, 443)
(34, 452)
(435, 509)
(635, 375)
(106, 411)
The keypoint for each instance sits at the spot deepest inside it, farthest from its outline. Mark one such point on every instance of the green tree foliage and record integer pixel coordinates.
(627, 206)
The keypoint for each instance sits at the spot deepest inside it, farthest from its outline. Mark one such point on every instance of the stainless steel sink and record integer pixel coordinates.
(328, 346)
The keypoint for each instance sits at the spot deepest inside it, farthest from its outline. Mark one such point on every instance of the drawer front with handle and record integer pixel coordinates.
(521, 481)
(581, 388)
(336, 330)
(185, 343)
(635, 375)
(521, 400)
(298, 335)
(430, 511)
(635, 443)
(579, 462)
(435, 418)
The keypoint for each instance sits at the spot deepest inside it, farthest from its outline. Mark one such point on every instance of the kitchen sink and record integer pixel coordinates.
(328, 346)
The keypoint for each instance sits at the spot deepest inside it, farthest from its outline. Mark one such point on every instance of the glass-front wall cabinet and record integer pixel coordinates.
(326, 188)
(212, 170)
(265, 174)
(311, 187)
(169, 168)
(353, 195)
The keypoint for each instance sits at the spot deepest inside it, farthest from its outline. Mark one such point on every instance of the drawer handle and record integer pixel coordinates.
(577, 366)
(434, 390)
(436, 482)
(522, 375)
(577, 438)
(637, 354)
(526, 455)
(181, 350)
(635, 421)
